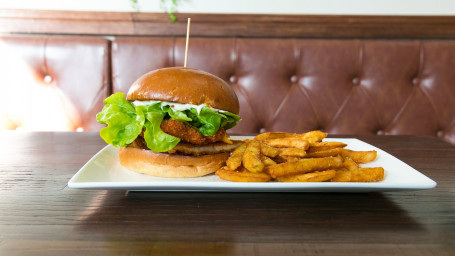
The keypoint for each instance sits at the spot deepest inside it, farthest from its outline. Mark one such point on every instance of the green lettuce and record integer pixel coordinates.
(176, 114)
(124, 124)
(126, 121)
(156, 139)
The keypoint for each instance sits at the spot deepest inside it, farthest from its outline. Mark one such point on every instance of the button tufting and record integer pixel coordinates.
(48, 79)
(380, 132)
(440, 134)
(294, 79)
(233, 79)
(356, 81)
(416, 81)
(262, 130)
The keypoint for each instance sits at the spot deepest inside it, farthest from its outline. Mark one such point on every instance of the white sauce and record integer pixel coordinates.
(176, 106)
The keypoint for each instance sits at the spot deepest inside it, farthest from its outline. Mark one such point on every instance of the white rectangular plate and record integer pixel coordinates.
(103, 171)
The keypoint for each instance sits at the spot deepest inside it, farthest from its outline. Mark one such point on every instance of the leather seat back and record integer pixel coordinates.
(53, 82)
(339, 86)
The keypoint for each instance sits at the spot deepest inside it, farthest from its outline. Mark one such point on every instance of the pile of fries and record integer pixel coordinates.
(290, 157)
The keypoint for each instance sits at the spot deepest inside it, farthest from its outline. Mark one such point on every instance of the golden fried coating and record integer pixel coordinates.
(190, 134)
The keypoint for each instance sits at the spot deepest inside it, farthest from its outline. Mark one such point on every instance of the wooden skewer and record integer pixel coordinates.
(187, 41)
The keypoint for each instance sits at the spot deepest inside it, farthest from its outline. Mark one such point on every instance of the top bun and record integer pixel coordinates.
(187, 86)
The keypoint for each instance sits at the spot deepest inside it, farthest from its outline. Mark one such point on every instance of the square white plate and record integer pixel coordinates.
(103, 171)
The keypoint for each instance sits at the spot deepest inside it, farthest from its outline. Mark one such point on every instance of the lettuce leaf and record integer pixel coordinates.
(126, 121)
(156, 139)
(176, 114)
(209, 121)
(230, 120)
(124, 124)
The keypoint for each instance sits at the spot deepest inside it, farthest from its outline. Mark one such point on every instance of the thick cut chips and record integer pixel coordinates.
(290, 157)
(303, 166)
(252, 157)
(289, 142)
(352, 172)
(242, 175)
(320, 176)
(235, 160)
(321, 146)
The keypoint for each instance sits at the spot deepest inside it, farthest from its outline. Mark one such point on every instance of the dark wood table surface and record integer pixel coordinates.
(40, 215)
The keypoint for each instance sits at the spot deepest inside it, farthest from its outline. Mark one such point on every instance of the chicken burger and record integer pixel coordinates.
(172, 123)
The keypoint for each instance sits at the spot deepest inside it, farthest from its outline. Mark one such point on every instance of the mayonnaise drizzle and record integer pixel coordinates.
(176, 106)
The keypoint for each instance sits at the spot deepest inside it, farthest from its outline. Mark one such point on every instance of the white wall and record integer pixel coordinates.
(374, 7)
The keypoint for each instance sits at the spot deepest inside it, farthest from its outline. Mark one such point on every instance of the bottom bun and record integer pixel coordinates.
(168, 165)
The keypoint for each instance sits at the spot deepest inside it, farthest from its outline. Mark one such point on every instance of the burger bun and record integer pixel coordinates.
(186, 86)
(170, 165)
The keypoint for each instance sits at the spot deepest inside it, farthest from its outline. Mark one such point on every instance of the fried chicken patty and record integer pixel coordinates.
(189, 149)
(190, 134)
(192, 141)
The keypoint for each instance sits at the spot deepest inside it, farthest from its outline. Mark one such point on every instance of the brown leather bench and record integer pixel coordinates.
(339, 86)
(342, 86)
(53, 82)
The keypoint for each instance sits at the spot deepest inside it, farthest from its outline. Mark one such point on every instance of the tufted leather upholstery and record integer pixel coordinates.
(53, 82)
(339, 86)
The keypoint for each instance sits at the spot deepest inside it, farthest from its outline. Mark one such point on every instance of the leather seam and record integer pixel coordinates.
(340, 108)
(361, 88)
(302, 87)
(346, 100)
(174, 39)
(423, 88)
(46, 70)
(236, 54)
(403, 107)
(241, 89)
(280, 106)
(245, 94)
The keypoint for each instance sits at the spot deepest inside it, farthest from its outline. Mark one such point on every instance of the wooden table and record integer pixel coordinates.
(40, 215)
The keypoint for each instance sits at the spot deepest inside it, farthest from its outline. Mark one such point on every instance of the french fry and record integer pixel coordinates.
(303, 166)
(288, 143)
(350, 164)
(297, 152)
(313, 136)
(368, 174)
(269, 151)
(290, 157)
(235, 160)
(325, 153)
(309, 177)
(252, 157)
(353, 173)
(321, 146)
(359, 157)
(273, 135)
(342, 175)
(267, 161)
(283, 159)
(242, 175)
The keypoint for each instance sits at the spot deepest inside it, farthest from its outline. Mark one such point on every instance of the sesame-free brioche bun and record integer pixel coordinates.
(169, 165)
(186, 86)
